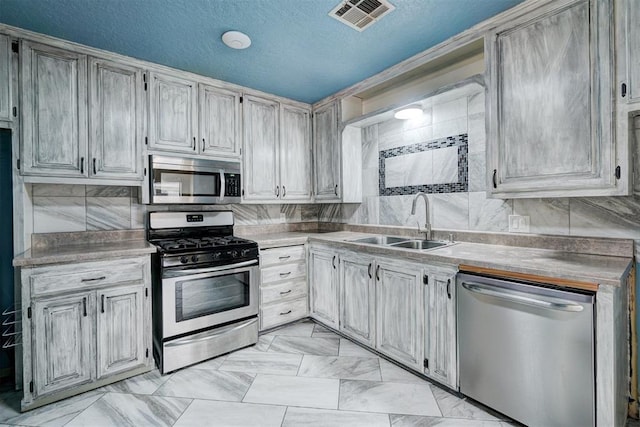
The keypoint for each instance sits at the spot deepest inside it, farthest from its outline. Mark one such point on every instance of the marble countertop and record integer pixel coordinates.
(88, 251)
(604, 270)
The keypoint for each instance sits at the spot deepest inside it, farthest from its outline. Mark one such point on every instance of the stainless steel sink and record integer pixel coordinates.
(381, 240)
(420, 244)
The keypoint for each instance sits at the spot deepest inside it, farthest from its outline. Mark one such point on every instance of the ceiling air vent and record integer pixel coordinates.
(360, 14)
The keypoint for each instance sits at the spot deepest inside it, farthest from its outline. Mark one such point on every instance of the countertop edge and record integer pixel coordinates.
(32, 261)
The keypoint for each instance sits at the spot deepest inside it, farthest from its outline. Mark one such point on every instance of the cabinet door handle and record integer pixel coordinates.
(102, 303)
(81, 164)
(284, 191)
(369, 271)
(336, 190)
(277, 191)
(203, 145)
(84, 306)
(285, 274)
(94, 279)
(282, 258)
(285, 313)
(194, 142)
(495, 178)
(333, 262)
(449, 288)
(286, 292)
(378, 273)
(94, 165)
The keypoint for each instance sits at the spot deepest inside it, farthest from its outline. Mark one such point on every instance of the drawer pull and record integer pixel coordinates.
(285, 274)
(286, 292)
(285, 313)
(282, 258)
(95, 279)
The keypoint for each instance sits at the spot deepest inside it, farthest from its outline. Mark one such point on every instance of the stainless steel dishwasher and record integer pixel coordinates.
(527, 350)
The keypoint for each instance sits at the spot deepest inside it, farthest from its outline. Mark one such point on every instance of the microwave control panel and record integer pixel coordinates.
(232, 185)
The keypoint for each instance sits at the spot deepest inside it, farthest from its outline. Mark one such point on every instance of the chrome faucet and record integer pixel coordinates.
(427, 223)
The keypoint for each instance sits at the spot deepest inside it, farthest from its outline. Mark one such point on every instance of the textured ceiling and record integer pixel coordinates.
(297, 50)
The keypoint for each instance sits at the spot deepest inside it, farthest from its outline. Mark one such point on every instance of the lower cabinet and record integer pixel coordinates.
(405, 310)
(323, 283)
(399, 319)
(357, 298)
(63, 328)
(84, 325)
(120, 333)
(440, 331)
(283, 286)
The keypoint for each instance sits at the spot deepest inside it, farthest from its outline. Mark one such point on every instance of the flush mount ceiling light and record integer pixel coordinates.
(236, 40)
(413, 111)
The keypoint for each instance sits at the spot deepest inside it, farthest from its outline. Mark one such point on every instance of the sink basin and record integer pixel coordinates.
(381, 240)
(420, 244)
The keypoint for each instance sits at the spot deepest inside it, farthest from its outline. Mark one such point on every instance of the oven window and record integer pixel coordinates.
(190, 184)
(202, 297)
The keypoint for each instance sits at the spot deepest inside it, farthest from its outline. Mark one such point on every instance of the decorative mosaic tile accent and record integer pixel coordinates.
(462, 185)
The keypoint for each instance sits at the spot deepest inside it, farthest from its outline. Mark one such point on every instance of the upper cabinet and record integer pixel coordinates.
(277, 151)
(219, 111)
(54, 111)
(192, 118)
(630, 91)
(327, 154)
(115, 121)
(172, 114)
(550, 104)
(295, 153)
(260, 121)
(5, 79)
(79, 122)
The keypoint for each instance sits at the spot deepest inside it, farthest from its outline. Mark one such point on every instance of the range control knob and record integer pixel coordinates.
(234, 254)
(215, 255)
(194, 258)
(184, 259)
(246, 252)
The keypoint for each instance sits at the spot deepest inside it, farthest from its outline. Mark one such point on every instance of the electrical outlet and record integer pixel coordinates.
(519, 223)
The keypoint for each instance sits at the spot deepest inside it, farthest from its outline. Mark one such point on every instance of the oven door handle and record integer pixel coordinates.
(191, 272)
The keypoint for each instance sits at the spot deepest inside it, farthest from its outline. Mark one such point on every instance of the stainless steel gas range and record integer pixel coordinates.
(205, 287)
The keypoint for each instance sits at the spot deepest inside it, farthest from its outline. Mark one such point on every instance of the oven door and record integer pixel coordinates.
(202, 298)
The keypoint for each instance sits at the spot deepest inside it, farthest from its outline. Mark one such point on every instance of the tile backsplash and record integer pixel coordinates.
(462, 111)
(60, 208)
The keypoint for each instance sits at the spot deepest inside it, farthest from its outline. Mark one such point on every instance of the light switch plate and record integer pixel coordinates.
(519, 223)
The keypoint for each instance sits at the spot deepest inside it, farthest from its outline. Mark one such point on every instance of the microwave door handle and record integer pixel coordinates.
(222, 184)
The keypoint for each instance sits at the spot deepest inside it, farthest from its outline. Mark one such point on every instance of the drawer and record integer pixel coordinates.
(279, 273)
(276, 314)
(291, 289)
(86, 275)
(277, 256)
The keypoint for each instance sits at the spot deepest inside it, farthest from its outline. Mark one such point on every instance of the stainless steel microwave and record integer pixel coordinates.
(176, 180)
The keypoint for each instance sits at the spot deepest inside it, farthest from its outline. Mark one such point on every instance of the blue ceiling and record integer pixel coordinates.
(297, 50)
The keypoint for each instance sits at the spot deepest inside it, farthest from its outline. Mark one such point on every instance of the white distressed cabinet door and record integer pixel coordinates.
(115, 125)
(440, 340)
(120, 327)
(400, 312)
(323, 287)
(551, 104)
(172, 115)
(219, 121)
(632, 32)
(357, 298)
(327, 154)
(295, 153)
(62, 338)
(54, 111)
(5, 78)
(260, 122)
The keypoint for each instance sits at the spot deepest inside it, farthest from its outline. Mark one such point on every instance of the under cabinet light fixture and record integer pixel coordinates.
(236, 40)
(412, 111)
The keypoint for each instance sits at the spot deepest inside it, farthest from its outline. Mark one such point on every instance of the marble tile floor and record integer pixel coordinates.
(298, 375)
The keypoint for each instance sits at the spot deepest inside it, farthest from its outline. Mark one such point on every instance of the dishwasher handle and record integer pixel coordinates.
(535, 302)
